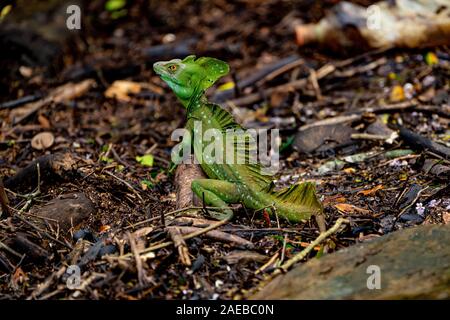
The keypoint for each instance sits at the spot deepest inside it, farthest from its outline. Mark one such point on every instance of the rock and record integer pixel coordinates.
(379, 128)
(323, 139)
(69, 210)
(414, 264)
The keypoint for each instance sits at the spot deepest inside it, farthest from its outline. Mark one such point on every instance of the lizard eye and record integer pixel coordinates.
(172, 68)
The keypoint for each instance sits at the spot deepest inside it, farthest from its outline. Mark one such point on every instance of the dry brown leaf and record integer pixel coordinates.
(19, 276)
(397, 94)
(44, 122)
(121, 89)
(70, 90)
(372, 191)
(350, 208)
(349, 170)
(334, 199)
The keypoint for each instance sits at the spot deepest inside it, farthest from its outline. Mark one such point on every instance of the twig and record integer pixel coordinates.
(140, 271)
(368, 136)
(42, 231)
(20, 101)
(127, 184)
(329, 121)
(217, 235)
(268, 263)
(350, 72)
(7, 248)
(117, 157)
(315, 84)
(189, 236)
(41, 288)
(298, 257)
(172, 213)
(280, 71)
(411, 204)
(4, 202)
(180, 244)
(63, 93)
(293, 85)
(422, 142)
(283, 250)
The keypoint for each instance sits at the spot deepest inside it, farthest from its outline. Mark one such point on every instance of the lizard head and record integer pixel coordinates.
(190, 78)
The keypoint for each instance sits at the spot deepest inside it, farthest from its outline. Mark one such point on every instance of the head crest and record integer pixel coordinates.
(213, 69)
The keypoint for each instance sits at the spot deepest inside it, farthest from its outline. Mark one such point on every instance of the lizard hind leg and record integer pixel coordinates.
(217, 193)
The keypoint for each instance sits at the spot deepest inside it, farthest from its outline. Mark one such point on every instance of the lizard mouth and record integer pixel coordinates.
(168, 78)
(162, 72)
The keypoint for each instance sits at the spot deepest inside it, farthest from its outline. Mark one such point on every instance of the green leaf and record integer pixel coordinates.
(5, 11)
(148, 183)
(119, 14)
(320, 252)
(285, 145)
(114, 5)
(145, 160)
(106, 159)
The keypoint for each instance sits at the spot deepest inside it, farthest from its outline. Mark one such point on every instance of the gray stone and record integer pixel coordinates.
(414, 264)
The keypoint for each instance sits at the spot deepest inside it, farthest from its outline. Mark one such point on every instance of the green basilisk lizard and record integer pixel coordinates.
(228, 183)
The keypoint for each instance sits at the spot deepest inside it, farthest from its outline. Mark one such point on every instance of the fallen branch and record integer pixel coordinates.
(189, 236)
(301, 255)
(64, 93)
(218, 235)
(311, 246)
(49, 165)
(184, 175)
(418, 141)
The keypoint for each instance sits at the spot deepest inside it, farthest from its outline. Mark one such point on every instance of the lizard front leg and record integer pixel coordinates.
(217, 193)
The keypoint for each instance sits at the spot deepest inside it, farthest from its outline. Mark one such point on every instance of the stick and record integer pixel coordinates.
(63, 93)
(4, 202)
(298, 257)
(189, 236)
(316, 242)
(418, 141)
(180, 244)
(218, 235)
(172, 213)
(42, 287)
(140, 270)
(12, 251)
(293, 85)
(125, 183)
(20, 101)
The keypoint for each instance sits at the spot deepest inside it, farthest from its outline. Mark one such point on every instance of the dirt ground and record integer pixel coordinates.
(388, 186)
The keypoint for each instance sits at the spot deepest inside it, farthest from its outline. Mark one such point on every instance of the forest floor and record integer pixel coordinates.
(367, 170)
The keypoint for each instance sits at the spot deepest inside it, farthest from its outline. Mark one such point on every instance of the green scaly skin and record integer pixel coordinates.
(228, 183)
